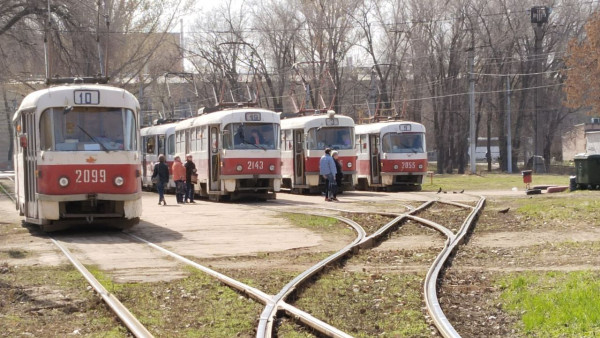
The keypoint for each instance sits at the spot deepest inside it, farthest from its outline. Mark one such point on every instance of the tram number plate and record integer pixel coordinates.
(90, 176)
(87, 97)
(409, 165)
(254, 165)
(253, 117)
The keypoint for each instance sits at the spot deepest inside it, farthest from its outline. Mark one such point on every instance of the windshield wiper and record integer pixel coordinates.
(256, 145)
(94, 139)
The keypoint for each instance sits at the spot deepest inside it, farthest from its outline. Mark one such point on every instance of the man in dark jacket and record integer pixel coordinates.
(190, 169)
(339, 175)
(161, 176)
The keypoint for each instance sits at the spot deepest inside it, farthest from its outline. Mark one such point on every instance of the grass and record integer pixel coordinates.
(574, 207)
(195, 306)
(490, 181)
(366, 305)
(554, 303)
(318, 223)
(52, 301)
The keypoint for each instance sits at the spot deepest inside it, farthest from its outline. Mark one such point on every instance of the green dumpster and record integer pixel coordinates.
(587, 169)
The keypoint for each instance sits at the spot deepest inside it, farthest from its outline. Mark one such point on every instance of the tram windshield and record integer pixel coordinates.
(330, 137)
(251, 136)
(403, 143)
(88, 129)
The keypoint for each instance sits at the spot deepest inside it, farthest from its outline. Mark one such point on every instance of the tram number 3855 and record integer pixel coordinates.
(409, 165)
(254, 165)
(90, 176)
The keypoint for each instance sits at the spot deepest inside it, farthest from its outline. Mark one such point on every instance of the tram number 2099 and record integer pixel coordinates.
(90, 176)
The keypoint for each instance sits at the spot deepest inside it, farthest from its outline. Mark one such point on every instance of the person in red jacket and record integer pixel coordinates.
(178, 171)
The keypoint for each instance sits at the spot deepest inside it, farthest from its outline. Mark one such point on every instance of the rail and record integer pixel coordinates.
(134, 326)
(265, 327)
(440, 320)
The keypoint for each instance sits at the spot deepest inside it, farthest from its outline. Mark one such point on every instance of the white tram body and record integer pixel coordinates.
(156, 140)
(304, 140)
(77, 157)
(236, 152)
(391, 155)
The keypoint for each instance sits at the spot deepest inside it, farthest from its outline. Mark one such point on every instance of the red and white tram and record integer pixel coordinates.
(77, 156)
(236, 152)
(304, 140)
(391, 155)
(156, 140)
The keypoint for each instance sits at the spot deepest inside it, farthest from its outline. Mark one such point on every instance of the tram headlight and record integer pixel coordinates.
(349, 164)
(395, 167)
(420, 166)
(239, 167)
(63, 181)
(119, 181)
(272, 167)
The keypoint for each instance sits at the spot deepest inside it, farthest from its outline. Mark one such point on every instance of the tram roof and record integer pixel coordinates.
(313, 121)
(159, 129)
(228, 116)
(387, 127)
(62, 96)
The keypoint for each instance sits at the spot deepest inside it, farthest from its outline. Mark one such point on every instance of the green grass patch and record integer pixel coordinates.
(489, 181)
(366, 305)
(52, 302)
(319, 223)
(195, 306)
(573, 207)
(554, 303)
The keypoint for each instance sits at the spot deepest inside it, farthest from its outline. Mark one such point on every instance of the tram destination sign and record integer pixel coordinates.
(405, 127)
(254, 117)
(86, 97)
(332, 122)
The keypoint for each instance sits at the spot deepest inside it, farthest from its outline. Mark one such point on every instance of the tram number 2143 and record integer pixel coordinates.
(254, 165)
(90, 176)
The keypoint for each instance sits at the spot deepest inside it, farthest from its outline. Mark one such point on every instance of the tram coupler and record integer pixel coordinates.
(93, 198)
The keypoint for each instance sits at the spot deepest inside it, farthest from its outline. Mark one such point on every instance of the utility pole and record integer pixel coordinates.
(472, 110)
(539, 16)
(508, 128)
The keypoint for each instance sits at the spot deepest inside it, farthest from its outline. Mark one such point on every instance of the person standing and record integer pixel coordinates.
(160, 175)
(190, 169)
(328, 171)
(339, 175)
(179, 173)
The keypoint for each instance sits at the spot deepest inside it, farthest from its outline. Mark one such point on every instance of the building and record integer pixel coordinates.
(582, 138)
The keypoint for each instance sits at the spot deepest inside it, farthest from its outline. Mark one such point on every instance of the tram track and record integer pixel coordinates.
(276, 303)
(430, 285)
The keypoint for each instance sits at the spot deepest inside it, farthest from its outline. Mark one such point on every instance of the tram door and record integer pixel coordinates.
(374, 159)
(299, 157)
(30, 165)
(214, 159)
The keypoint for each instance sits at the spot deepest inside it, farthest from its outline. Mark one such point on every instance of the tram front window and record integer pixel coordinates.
(402, 143)
(330, 137)
(251, 136)
(88, 129)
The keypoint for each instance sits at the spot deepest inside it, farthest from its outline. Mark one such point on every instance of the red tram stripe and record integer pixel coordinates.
(88, 179)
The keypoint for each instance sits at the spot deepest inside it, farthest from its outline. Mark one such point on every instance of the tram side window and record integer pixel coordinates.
(150, 145)
(357, 144)
(46, 141)
(161, 144)
(193, 139)
(171, 145)
(178, 144)
(289, 140)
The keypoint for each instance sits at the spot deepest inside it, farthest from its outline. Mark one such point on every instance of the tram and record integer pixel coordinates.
(157, 139)
(236, 152)
(391, 155)
(77, 158)
(304, 140)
